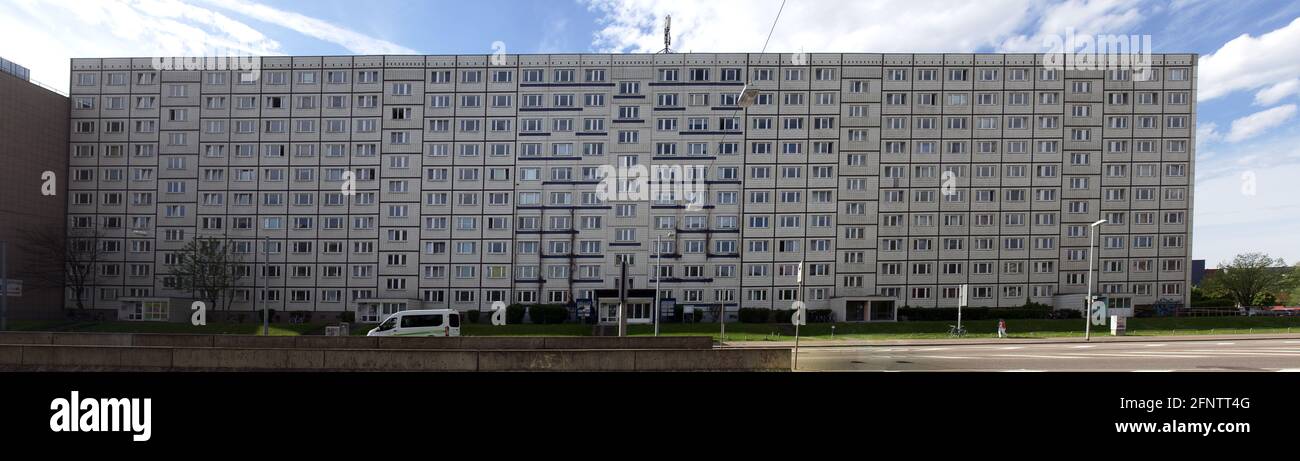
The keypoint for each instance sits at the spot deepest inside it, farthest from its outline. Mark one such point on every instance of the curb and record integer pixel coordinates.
(979, 342)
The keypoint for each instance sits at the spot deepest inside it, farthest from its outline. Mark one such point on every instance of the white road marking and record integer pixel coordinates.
(1153, 345)
(1022, 371)
(1032, 356)
(1289, 370)
(944, 357)
(1224, 344)
(935, 349)
(1083, 347)
(1152, 371)
(1009, 348)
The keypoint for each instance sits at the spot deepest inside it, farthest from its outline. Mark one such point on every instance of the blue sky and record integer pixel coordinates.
(1248, 141)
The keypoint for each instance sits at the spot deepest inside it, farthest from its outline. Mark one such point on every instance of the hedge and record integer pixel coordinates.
(548, 313)
(754, 314)
(983, 313)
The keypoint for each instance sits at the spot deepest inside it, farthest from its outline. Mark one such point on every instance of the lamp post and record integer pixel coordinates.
(4, 285)
(266, 262)
(1087, 303)
(659, 257)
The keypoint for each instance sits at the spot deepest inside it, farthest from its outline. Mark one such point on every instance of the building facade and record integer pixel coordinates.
(34, 127)
(378, 183)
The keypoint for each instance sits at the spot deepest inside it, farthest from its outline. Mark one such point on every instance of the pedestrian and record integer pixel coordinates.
(1002, 328)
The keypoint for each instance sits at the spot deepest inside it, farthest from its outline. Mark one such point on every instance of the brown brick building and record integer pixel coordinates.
(33, 140)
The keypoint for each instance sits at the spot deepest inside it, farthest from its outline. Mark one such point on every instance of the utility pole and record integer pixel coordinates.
(1087, 303)
(266, 262)
(622, 299)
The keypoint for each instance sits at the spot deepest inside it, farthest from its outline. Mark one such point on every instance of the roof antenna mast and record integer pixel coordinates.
(668, 37)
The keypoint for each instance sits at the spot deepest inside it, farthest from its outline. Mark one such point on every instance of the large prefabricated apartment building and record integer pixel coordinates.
(893, 178)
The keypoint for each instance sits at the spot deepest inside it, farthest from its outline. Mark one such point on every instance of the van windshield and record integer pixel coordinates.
(423, 320)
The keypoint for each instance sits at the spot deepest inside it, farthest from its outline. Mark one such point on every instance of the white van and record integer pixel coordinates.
(431, 322)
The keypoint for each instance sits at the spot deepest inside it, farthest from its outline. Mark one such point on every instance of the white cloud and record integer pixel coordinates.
(1259, 122)
(1276, 93)
(1207, 133)
(742, 26)
(353, 41)
(1248, 63)
(854, 25)
(45, 34)
(1245, 199)
(1081, 18)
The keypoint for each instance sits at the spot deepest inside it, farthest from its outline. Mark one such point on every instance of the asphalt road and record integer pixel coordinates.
(1146, 355)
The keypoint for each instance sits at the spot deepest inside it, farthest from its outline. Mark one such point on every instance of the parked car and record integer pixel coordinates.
(431, 322)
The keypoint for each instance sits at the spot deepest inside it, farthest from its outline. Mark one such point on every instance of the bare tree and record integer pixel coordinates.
(1248, 276)
(205, 267)
(64, 261)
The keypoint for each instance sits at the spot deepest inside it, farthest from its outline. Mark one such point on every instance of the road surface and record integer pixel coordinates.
(1142, 355)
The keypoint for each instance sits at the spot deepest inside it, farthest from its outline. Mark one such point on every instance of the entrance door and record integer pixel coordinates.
(609, 313)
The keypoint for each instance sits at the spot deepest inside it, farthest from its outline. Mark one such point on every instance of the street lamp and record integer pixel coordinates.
(1087, 304)
(659, 258)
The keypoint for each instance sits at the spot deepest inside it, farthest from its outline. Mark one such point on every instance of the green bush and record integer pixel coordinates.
(348, 316)
(548, 313)
(472, 316)
(515, 314)
(754, 315)
(981, 313)
(820, 316)
(781, 316)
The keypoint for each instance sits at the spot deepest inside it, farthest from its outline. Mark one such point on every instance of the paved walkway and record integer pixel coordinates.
(1006, 341)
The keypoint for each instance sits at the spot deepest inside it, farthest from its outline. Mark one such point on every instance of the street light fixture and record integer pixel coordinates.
(659, 257)
(1087, 304)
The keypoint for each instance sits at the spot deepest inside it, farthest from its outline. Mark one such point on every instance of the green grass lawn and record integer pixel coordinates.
(167, 327)
(748, 331)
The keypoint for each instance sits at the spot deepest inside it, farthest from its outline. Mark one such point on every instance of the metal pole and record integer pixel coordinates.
(798, 296)
(1087, 303)
(4, 289)
(659, 258)
(266, 262)
(622, 300)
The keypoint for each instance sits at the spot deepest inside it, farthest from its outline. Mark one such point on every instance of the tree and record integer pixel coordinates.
(64, 261)
(1249, 276)
(205, 268)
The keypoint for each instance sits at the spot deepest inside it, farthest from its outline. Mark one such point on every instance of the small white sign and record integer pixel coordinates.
(13, 287)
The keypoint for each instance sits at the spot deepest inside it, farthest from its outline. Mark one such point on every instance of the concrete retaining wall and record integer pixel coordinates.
(138, 358)
(357, 342)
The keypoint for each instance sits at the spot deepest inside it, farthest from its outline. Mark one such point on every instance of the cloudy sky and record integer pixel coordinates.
(1248, 143)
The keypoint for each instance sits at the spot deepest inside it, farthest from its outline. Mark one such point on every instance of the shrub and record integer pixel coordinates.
(548, 313)
(515, 314)
(472, 316)
(1037, 311)
(781, 316)
(754, 315)
(348, 316)
(820, 316)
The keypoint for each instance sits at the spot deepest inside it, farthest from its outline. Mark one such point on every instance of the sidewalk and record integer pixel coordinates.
(1105, 338)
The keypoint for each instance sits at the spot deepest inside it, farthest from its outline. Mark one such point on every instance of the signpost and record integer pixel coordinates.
(799, 316)
(961, 301)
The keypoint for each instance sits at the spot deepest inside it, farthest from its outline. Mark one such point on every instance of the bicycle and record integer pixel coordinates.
(955, 331)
